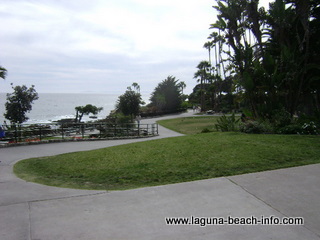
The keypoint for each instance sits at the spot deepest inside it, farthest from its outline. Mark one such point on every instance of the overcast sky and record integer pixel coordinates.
(102, 46)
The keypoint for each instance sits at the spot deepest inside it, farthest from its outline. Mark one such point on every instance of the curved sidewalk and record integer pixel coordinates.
(33, 211)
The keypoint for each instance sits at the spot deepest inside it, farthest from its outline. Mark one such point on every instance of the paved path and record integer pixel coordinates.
(30, 211)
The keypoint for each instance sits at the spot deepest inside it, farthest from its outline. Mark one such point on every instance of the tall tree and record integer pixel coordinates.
(276, 71)
(208, 45)
(167, 96)
(130, 102)
(203, 75)
(136, 87)
(19, 103)
(182, 85)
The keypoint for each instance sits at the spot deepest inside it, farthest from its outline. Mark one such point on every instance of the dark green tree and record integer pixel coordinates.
(182, 85)
(204, 76)
(272, 54)
(3, 72)
(86, 110)
(19, 103)
(167, 96)
(130, 102)
(196, 95)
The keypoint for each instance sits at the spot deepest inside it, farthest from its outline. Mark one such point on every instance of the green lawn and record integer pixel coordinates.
(190, 125)
(172, 160)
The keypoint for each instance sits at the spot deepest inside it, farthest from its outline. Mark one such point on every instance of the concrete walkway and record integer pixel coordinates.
(30, 211)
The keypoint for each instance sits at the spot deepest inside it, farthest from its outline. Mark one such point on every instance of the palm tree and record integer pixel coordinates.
(277, 71)
(182, 85)
(3, 72)
(254, 21)
(231, 21)
(136, 86)
(208, 45)
(204, 76)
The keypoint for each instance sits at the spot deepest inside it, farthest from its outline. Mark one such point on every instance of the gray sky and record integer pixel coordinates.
(102, 46)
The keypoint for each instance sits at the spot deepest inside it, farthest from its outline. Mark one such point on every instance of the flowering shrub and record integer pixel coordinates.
(309, 128)
(300, 128)
(77, 138)
(32, 140)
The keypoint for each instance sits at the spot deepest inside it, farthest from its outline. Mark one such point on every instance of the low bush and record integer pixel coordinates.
(227, 123)
(257, 127)
(119, 118)
(294, 128)
(205, 130)
(309, 128)
(281, 118)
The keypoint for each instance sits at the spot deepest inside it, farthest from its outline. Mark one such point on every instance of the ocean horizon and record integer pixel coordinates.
(51, 107)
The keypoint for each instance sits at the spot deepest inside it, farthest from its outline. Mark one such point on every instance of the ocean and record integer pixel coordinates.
(55, 106)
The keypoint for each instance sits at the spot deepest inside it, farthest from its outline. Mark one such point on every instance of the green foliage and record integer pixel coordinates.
(310, 129)
(186, 105)
(282, 124)
(227, 123)
(204, 76)
(206, 130)
(256, 127)
(86, 110)
(273, 57)
(119, 118)
(281, 118)
(19, 103)
(201, 96)
(129, 103)
(167, 96)
(294, 128)
(3, 72)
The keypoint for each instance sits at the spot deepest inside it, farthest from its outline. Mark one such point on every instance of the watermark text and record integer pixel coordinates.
(252, 220)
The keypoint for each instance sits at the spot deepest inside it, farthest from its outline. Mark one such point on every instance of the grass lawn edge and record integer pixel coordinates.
(130, 166)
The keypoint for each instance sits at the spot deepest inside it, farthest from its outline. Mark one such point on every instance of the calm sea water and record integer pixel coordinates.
(54, 106)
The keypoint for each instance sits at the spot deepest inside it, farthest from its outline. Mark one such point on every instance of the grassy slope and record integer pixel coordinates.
(172, 160)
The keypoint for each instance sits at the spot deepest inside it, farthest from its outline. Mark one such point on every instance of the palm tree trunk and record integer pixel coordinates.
(202, 96)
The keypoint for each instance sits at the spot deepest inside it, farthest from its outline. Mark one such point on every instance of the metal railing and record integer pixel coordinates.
(85, 131)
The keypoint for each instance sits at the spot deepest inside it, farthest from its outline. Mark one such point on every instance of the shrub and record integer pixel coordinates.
(256, 127)
(290, 129)
(309, 128)
(119, 118)
(281, 118)
(205, 130)
(186, 105)
(227, 124)
(300, 128)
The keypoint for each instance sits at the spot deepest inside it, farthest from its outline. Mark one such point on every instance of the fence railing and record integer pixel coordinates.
(56, 131)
